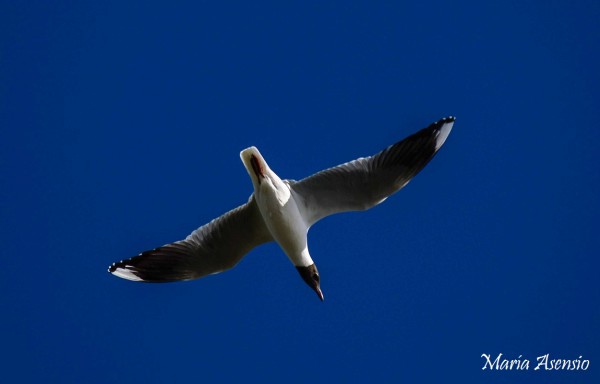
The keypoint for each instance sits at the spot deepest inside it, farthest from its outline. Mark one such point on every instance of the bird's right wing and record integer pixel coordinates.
(212, 248)
(365, 182)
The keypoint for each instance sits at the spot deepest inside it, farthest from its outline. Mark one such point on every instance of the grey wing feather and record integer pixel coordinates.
(365, 182)
(212, 248)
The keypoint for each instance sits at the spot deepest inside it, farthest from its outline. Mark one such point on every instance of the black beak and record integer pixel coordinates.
(310, 275)
(319, 293)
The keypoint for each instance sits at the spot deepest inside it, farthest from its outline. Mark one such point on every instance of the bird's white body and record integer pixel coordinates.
(284, 210)
(279, 209)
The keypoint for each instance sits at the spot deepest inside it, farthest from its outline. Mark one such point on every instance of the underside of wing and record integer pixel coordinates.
(212, 248)
(365, 182)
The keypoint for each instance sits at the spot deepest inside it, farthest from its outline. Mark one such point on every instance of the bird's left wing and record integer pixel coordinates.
(212, 248)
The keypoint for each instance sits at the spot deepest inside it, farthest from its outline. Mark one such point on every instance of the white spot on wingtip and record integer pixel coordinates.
(443, 134)
(126, 274)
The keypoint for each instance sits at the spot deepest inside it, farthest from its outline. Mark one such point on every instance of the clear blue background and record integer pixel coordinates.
(121, 125)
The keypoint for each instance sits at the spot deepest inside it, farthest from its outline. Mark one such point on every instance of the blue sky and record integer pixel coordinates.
(121, 125)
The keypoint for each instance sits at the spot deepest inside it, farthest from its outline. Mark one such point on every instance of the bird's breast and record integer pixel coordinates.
(282, 217)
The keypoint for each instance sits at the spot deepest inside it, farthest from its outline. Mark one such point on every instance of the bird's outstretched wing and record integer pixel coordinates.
(212, 248)
(365, 182)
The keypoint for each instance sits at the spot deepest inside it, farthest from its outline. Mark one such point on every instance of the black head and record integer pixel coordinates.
(310, 275)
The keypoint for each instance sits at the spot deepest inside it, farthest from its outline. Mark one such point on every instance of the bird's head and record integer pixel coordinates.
(310, 275)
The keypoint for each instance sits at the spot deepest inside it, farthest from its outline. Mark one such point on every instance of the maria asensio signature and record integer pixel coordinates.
(544, 362)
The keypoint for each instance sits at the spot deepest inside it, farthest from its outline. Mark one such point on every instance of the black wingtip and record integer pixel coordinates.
(442, 121)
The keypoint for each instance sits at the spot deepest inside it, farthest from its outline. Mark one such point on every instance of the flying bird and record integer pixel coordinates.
(284, 210)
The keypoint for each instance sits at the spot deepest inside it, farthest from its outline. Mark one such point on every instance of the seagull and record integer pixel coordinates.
(284, 210)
